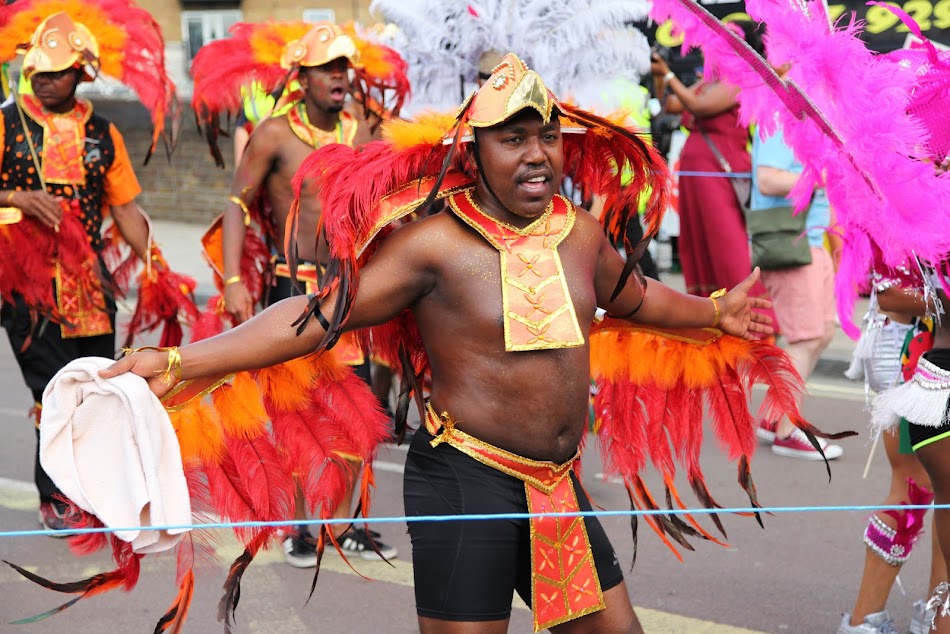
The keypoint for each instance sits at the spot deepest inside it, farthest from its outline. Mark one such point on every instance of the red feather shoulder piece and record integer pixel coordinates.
(652, 385)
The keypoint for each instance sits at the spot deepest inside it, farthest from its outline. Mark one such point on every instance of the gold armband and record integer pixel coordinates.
(173, 369)
(713, 298)
(234, 279)
(240, 203)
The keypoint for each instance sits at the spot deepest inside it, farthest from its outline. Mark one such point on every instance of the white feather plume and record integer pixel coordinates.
(572, 44)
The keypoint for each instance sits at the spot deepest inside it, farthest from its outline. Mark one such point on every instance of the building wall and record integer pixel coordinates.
(188, 188)
(168, 14)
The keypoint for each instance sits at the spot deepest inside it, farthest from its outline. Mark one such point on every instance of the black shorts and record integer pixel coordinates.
(923, 435)
(468, 570)
(283, 286)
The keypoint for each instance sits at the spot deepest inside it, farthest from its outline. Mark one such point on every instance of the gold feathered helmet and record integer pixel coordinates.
(60, 43)
(322, 44)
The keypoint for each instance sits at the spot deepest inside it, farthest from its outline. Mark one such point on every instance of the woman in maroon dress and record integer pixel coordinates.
(714, 247)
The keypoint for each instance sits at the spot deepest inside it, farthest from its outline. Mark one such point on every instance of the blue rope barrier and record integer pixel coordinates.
(769, 510)
(715, 174)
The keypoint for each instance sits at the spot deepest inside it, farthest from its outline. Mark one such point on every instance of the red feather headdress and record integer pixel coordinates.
(374, 189)
(118, 37)
(266, 56)
(420, 161)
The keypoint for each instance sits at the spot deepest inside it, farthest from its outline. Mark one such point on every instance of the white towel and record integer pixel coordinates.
(109, 445)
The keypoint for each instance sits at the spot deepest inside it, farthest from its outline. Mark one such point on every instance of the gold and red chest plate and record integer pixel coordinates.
(538, 310)
(64, 140)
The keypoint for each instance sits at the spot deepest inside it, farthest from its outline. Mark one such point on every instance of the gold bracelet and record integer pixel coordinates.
(718, 316)
(173, 368)
(234, 279)
(240, 203)
(172, 371)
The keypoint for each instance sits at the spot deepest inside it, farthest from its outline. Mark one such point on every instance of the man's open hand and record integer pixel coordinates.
(737, 315)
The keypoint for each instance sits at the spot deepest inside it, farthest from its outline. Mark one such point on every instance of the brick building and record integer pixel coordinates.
(191, 188)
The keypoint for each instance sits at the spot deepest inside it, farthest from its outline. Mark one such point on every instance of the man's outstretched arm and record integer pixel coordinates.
(267, 339)
(393, 280)
(659, 305)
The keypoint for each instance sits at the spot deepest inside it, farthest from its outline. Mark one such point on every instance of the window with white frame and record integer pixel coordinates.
(200, 27)
(318, 15)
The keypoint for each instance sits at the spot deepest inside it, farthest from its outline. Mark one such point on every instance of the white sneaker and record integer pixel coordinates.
(877, 623)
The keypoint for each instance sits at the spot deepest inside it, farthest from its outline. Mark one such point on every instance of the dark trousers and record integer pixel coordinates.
(46, 355)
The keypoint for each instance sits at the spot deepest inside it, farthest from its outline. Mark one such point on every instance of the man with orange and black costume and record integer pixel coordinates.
(64, 168)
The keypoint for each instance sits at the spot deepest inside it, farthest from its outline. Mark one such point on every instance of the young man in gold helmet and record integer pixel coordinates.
(503, 286)
(279, 144)
(63, 168)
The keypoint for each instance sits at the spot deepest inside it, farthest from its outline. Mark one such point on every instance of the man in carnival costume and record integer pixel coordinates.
(318, 60)
(492, 303)
(64, 169)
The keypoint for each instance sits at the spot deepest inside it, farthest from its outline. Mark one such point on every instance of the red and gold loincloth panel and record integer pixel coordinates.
(81, 303)
(347, 349)
(564, 581)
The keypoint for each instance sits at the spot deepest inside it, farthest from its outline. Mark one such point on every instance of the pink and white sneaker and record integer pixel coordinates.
(797, 446)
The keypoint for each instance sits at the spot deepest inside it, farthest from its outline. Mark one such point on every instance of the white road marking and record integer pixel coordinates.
(835, 390)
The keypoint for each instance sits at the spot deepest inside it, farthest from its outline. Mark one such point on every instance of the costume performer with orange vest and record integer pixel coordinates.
(64, 170)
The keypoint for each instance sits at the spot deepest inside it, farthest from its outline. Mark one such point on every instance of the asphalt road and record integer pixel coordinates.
(795, 576)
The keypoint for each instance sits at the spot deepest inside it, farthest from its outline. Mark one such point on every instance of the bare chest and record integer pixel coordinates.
(501, 296)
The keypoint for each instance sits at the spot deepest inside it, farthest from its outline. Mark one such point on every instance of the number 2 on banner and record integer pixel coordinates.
(920, 10)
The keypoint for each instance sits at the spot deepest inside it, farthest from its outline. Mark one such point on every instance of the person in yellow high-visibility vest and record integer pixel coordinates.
(258, 105)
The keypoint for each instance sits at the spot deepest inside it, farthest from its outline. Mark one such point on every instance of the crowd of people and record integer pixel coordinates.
(483, 257)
